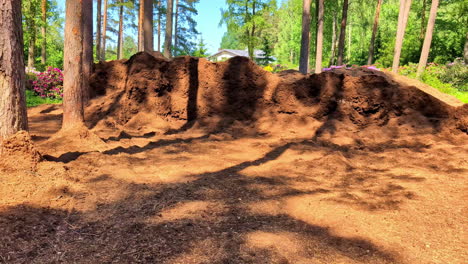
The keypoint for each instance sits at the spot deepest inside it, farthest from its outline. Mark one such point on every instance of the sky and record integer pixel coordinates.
(209, 15)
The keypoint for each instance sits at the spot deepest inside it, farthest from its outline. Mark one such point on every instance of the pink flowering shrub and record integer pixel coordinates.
(49, 84)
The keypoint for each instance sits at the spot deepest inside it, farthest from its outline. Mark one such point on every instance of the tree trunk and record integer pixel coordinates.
(98, 30)
(120, 37)
(141, 16)
(104, 33)
(73, 113)
(148, 26)
(305, 40)
(168, 38)
(333, 43)
(159, 25)
(341, 41)
(13, 116)
(319, 44)
(44, 31)
(402, 20)
(176, 24)
(32, 39)
(465, 50)
(423, 22)
(87, 47)
(374, 33)
(427, 38)
(348, 58)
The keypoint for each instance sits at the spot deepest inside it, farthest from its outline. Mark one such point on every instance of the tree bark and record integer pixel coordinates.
(333, 43)
(305, 39)
(120, 37)
(141, 16)
(13, 116)
(319, 44)
(148, 26)
(73, 105)
(87, 47)
(104, 33)
(427, 39)
(405, 6)
(374, 33)
(341, 41)
(176, 24)
(168, 37)
(98, 30)
(44, 31)
(423, 22)
(159, 25)
(32, 39)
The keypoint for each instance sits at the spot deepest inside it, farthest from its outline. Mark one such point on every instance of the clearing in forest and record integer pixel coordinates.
(188, 161)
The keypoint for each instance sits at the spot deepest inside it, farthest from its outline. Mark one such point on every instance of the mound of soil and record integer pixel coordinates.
(148, 93)
(18, 152)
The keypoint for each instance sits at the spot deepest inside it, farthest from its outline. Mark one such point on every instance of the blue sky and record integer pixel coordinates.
(209, 15)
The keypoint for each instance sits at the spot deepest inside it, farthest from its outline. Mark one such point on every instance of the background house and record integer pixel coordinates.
(225, 54)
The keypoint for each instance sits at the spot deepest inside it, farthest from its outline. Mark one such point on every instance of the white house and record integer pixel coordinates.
(225, 54)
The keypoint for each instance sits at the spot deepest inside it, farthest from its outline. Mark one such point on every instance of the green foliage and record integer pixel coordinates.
(32, 22)
(187, 27)
(246, 19)
(441, 77)
(201, 50)
(456, 73)
(34, 100)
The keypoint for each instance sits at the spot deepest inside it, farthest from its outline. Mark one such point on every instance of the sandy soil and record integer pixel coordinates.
(296, 189)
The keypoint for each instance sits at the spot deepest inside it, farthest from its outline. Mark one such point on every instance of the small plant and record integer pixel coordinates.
(456, 73)
(49, 84)
(268, 68)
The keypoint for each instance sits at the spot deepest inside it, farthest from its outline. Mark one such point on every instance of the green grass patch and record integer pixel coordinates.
(35, 100)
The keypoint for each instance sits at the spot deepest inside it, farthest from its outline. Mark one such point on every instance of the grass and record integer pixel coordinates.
(35, 100)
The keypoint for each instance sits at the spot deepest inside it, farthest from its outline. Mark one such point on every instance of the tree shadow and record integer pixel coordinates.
(208, 218)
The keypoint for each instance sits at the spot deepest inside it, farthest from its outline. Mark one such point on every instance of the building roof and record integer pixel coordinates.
(243, 53)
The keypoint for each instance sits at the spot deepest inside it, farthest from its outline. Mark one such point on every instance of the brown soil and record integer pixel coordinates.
(188, 161)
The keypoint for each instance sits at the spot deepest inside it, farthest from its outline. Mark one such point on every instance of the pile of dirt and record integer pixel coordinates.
(148, 93)
(18, 152)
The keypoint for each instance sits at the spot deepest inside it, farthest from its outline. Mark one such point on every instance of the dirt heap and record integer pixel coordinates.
(148, 93)
(18, 152)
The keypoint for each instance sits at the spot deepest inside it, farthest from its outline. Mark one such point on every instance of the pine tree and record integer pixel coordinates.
(13, 116)
(341, 41)
(402, 20)
(319, 44)
(73, 82)
(427, 38)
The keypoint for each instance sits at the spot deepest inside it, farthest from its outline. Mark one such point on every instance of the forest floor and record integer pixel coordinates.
(193, 196)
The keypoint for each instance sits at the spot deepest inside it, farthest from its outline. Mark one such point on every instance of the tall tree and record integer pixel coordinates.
(98, 29)
(148, 26)
(44, 31)
(176, 23)
(333, 40)
(305, 40)
(73, 82)
(465, 50)
(159, 24)
(319, 44)
(104, 32)
(247, 19)
(31, 22)
(168, 37)
(341, 41)
(427, 38)
(87, 46)
(120, 34)
(403, 14)
(13, 117)
(141, 18)
(185, 33)
(374, 32)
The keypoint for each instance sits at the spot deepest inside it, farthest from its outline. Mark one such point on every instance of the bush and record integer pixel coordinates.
(49, 84)
(31, 76)
(456, 73)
